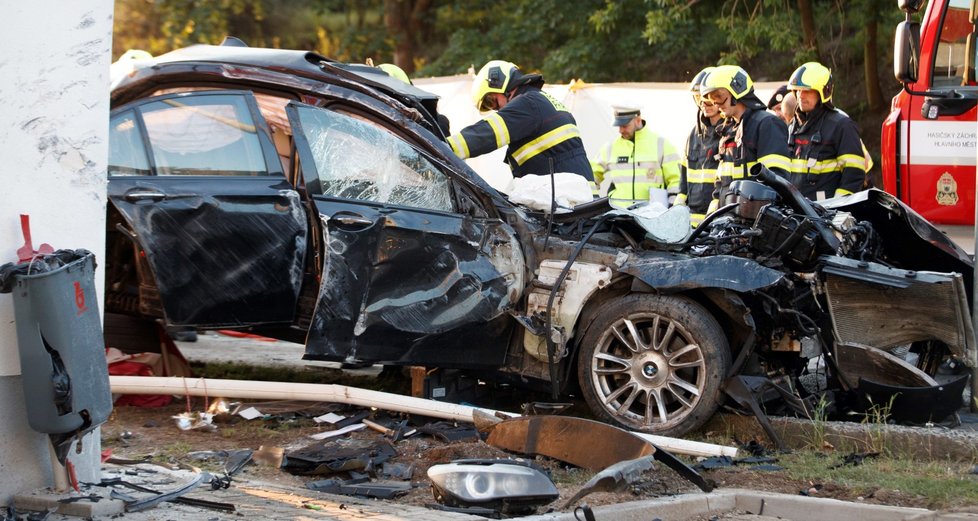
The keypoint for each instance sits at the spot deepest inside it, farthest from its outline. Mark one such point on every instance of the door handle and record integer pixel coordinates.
(144, 196)
(351, 219)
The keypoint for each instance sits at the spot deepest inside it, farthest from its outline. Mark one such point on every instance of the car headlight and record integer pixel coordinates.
(503, 485)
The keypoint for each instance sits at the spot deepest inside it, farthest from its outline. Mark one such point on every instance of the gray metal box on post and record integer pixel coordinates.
(62, 350)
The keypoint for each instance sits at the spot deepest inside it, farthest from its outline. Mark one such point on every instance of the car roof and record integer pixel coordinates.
(300, 63)
(305, 63)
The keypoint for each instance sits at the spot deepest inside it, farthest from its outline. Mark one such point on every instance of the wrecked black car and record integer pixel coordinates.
(317, 202)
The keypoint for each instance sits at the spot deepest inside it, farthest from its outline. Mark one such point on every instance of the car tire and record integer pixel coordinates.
(648, 383)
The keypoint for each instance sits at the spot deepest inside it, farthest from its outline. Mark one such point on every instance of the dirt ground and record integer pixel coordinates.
(136, 433)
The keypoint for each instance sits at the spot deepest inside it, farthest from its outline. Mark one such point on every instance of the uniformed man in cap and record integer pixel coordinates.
(638, 164)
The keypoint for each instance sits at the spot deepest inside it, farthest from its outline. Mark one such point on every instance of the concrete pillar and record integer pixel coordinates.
(54, 93)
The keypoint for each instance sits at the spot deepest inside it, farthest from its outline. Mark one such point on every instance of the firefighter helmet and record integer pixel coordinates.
(813, 76)
(395, 72)
(734, 79)
(694, 86)
(495, 77)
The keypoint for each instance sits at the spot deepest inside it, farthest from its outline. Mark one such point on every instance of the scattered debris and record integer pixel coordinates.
(337, 455)
(684, 470)
(159, 497)
(585, 443)
(361, 487)
(270, 456)
(450, 431)
(339, 432)
(195, 420)
(400, 471)
(250, 413)
(613, 478)
(855, 459)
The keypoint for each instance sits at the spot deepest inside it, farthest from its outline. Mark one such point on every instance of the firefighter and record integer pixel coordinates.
(827, 155)
(542, 134)
(698, 172)
(749, 135)
(636, 162)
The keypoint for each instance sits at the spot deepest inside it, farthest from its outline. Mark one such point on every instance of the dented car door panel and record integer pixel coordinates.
(401, 269)
(223, 232)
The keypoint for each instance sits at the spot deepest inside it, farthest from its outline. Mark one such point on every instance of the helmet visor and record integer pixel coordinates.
(487, 103)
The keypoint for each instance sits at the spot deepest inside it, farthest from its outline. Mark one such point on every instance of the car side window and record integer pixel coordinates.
(357, 159)
(203, 135)
(127, 156)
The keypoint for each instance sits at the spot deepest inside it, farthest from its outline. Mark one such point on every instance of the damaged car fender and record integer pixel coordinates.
(675, 273)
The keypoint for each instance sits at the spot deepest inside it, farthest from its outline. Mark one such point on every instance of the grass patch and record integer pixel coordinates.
(940, 484)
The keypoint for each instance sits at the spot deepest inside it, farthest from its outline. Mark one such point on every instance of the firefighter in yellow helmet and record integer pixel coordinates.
(827, 155)
(636, 163)
(539, 131)
(699, 168)
(750, 134)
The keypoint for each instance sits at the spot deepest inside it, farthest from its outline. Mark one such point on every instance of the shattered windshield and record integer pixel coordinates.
(356, 159)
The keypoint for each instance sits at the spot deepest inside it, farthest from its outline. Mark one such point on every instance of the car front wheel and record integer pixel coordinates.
(653, 363)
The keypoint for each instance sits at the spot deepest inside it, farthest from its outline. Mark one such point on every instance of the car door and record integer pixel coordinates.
(202, 192)
(406, 278)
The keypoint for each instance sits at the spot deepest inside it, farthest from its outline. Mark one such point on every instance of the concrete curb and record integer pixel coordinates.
(768, 505)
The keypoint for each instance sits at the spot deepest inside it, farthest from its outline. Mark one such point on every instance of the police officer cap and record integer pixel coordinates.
(623, 115)
(778, 96)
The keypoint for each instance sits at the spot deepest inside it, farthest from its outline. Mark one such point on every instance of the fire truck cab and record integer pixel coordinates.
(929, 138)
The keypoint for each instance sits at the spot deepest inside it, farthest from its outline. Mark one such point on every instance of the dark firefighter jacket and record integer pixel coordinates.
(826, 155)
(759, 137)
(536, 127)
(699, 168)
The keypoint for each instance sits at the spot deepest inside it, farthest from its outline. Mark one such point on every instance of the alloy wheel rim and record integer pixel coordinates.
(648, 371)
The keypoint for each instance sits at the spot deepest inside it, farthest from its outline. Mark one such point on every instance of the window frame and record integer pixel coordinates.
(313, 184)
(273, 166)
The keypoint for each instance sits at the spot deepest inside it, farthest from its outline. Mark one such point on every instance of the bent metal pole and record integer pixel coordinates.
(257, 390)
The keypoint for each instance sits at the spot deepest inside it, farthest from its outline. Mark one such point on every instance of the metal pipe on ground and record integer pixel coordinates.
(257, 390)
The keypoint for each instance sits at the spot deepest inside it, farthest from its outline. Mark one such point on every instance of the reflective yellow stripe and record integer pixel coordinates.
(839, 192)
(546, 141)
(670, 158)
(499, 129)
(696, 218)
(774, 161)
(803, 166)
(704, 175)
(680, 199)
(459, 146)
(727, 169)
(640, 166)
(825, 166)
(625, 179)
(853, 161)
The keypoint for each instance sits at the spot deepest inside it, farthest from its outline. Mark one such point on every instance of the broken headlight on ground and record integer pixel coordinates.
(507, 486)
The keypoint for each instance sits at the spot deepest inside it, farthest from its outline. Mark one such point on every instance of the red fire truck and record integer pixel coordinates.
(929, 138)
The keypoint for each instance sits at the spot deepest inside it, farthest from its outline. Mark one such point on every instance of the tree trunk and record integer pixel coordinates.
(808, 28)
(397, 18)
(874, 95)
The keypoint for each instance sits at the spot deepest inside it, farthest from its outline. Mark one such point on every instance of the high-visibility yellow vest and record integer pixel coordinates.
(629, 169)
